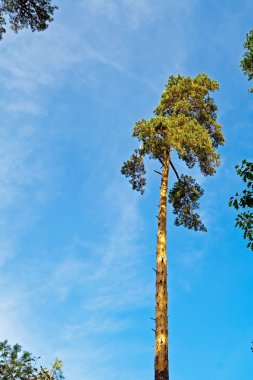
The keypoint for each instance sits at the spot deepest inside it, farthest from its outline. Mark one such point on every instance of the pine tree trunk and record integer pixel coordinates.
(161, 345)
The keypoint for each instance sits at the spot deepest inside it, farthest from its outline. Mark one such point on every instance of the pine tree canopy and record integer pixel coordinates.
(247, 61)
(185, 122)
(35, 14)
(184, 197)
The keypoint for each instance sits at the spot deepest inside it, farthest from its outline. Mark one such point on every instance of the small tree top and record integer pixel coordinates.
(33, 14)
(185, 122)
(16, 364)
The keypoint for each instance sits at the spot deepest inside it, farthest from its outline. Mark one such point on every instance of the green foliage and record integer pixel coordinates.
(247, 61)
(184, 197)
(57, 370)
(16, 364)
(35, 14)
(185, 122)
(244, 219)
(134, 168)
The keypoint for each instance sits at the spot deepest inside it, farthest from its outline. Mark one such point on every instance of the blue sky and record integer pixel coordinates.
(77, 245)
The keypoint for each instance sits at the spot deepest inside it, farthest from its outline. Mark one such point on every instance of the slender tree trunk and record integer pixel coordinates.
(161, 345)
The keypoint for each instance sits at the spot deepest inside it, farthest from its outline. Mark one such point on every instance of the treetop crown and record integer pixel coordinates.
(185, 122)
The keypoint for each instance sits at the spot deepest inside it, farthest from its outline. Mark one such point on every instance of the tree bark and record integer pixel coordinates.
(161, 344)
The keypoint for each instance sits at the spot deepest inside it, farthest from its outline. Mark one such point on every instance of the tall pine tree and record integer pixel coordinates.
(185, 123)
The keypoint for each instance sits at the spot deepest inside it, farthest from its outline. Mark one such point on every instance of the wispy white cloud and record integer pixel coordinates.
(191, 258)
(127, 12)
(108, 278)
(25, 181)
(21, 106)
(13, 313)
(111, 267)
(62, 54)
(20, 165)
(190, 265)
(6, 251)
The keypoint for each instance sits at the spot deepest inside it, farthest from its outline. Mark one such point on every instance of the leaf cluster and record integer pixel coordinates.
(134, 168)
(244, 201)
(33, 14)
(184, 197)
(247, 61)
(16, 364)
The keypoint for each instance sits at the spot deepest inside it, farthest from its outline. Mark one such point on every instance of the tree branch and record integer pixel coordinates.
(174, 169)
(161, 161)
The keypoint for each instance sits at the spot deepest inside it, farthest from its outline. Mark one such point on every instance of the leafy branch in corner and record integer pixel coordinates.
(33, 14)
(247, 61)
(16, 364)
(244, 202)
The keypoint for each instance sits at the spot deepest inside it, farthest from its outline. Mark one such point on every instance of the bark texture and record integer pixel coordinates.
(161, 344)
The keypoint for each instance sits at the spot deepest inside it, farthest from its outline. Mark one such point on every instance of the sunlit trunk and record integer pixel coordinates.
(161, 344)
